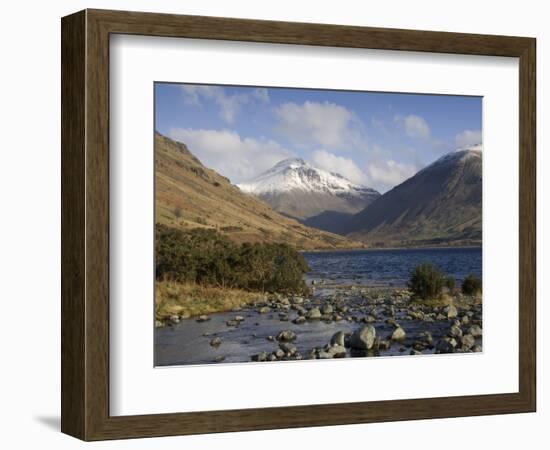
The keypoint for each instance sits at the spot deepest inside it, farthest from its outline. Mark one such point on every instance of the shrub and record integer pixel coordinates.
(450, 284)
(471, 285)
(426, 282)
(208, 258)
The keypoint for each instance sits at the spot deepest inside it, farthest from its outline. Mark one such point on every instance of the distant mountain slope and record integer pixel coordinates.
(295, 188)
(439, 205)
(189, 195)
(332, 221)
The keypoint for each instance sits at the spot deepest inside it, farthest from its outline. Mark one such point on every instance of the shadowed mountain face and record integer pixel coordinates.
(296, 189)
(190, 195)
(439, 205)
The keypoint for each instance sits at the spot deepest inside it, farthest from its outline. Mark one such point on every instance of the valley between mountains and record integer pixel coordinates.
(313, 209)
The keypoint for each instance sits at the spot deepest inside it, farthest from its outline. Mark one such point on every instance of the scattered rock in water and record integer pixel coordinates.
(286, 336)
(283, 317)
(425, 337)
(450, 311)
(444, 346)
(264, 310)
(384, 345)
(270, 338)
(340, 338)
(203, 318)
(415, 352)
(232, 323)
(219, 358)
(239, 318)
(279, 353)
(314, 314)
(475, 331)
(260, 357)
(468, 341)
(174, 318)
(398, 334)
(159, 324)
(369, 319)
(363, 339)
(337, 351)
(216, 342)
(455, 331)
(288, 348)
(299, 320)
(327, 309)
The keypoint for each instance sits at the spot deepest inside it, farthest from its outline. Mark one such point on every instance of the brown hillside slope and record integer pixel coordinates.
(189, 195)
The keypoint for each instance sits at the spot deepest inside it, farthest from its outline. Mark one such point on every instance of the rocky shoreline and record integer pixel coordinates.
(335, 322)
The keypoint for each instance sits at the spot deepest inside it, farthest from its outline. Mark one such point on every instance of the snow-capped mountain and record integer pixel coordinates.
(295, 188)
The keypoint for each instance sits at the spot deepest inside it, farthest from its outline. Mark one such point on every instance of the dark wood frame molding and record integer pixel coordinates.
(85, 224)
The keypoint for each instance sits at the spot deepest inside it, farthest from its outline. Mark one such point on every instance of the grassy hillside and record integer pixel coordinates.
(190, 195)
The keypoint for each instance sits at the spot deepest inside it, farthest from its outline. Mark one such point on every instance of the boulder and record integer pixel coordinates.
(455, 331)
(260, 357)
(398, 334)
(288, 348)
(424, 337)
(338, 338)
(314, 314)
(475, 331)
(299, 320)
(363, 339)
(286, 336)
(468, 341)
(216, 342)
(327, 309)
(337, 351)
(203, 318)
(450, 311)
(444, 346)
(174, 318)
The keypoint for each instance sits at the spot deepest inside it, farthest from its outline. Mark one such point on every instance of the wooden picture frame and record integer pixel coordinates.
(85, 224)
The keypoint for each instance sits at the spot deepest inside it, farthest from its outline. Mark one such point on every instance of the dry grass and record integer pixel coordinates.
(188, 300)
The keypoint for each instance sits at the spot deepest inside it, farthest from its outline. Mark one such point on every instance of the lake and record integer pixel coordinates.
(389, 267)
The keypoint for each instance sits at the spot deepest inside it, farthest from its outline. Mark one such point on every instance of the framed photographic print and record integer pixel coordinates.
(271, 225)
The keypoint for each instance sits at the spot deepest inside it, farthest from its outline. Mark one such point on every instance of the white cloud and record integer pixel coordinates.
(313, 123)
(344, 166)
(229, 154)
(468, 138)
(415, 126)
(385, 174)
(229, 105)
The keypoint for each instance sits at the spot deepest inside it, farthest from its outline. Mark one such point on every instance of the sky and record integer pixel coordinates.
(372, 138)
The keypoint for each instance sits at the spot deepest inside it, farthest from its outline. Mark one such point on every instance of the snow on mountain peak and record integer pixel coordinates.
(296, 174)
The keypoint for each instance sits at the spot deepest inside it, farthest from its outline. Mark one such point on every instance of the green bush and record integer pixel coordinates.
(206, 257)
(471, 285)
(450, 284)
(426, 282)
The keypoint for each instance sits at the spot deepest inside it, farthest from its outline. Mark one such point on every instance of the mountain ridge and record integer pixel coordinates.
(439, 205)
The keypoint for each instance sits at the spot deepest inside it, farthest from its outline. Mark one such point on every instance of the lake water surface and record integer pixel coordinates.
(390, 267)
